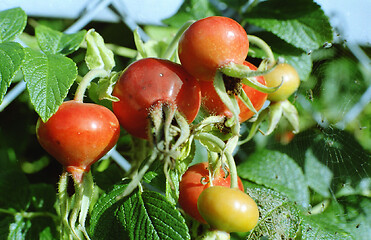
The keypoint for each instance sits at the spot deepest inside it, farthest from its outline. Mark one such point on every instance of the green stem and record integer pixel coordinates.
(122, 51)
(30, 215)
(262, 45)
(136, 180)
(232, 169)
(92, 74)
(174, 42)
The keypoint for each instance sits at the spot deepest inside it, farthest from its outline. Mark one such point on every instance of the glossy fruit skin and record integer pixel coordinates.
(228, 209)
(150, 81)
(291, 81)
(212, 103)
(193, 184)
(78, 134)
(210, 43)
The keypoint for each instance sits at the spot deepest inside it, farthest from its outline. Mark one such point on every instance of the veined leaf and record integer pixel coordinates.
(12, 23)
(11, 57)
(52, 41)
(104, 221)
(48, 78)
(149, 215)
(277, 171)
(14, 190)
(318, 175)
(319, 227)
(303, 25)
(279, 218)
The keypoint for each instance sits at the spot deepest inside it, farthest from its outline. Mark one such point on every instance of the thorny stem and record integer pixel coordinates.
(64, 204)
(92, 74)
(169, 115)
(76, 208)
(87, 192)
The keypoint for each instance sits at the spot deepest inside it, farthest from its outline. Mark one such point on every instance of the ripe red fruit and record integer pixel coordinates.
(151, 81)
(210, 43)
(78, 135)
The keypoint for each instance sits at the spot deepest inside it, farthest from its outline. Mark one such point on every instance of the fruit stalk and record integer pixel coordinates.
(85, 82)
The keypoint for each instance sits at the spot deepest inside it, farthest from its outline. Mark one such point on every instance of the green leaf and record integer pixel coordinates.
(52, 41)
(107, 178)
(302, 64)
(47, 234)
(279, 219)
(303, 25)
(105, 87)
(351, 217)
(12, 23)
(160, 33)
(360, 227)
(93, 93)
(342, 83)
(319, 227)
(277, 171)
(98, 56)
(318, 175)
(149, 215)
(172, 192)
(152, 48)
(11, 57)
(192, 10)
(104, 221)
(48, 78)
(14, 190)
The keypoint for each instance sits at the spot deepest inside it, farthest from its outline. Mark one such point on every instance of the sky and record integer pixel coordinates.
(350, 17)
